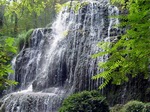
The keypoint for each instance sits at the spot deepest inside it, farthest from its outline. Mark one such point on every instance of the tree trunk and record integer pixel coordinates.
(1, 16)
(16, 25)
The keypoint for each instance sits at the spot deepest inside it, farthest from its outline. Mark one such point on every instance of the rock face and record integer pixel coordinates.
(137, 88)
(58, 60)
(31, 102)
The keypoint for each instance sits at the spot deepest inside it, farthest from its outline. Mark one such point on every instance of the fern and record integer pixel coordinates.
(130, 55)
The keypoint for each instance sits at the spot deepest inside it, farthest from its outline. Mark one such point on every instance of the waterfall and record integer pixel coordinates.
(58, 60)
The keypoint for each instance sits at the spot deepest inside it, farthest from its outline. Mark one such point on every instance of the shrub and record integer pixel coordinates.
(147, 107)
(116, 108)
(85, 102)
(133, 106)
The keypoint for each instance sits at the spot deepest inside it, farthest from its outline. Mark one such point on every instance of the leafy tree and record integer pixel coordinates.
(6, 52)
(130, 55)
(22, 15)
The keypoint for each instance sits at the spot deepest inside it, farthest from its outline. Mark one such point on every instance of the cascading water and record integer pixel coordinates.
(58, 60)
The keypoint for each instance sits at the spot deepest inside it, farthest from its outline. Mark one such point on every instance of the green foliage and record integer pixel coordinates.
(22, 15)
(58, 7)
(23, 39)
(147, 108)
(85, 102)
(116, 108)
(130, 55)
(74, 5)
(6, 51)
(133, 106)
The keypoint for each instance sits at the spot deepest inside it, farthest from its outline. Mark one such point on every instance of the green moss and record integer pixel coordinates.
(133, 106)
(23, 39)
(85, 102)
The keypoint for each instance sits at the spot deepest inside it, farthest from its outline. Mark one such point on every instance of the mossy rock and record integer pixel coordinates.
(85, 102)
(133, 106)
